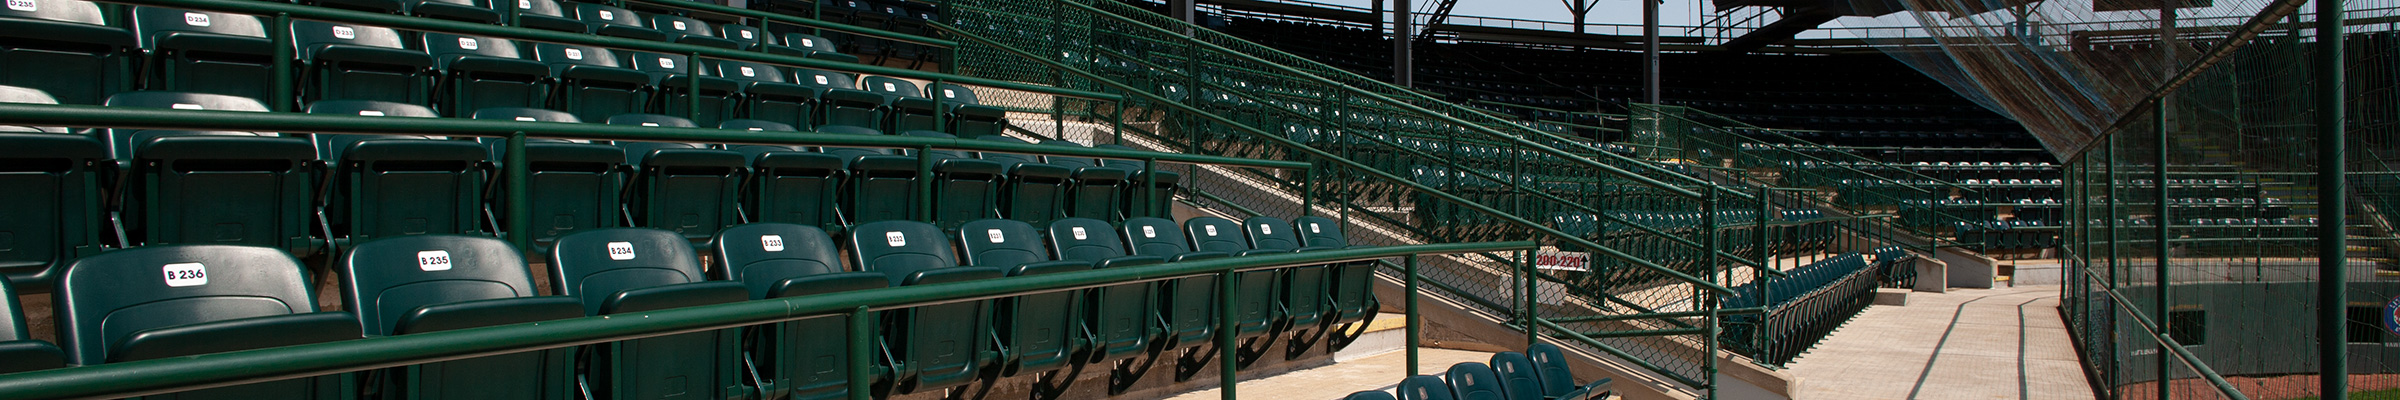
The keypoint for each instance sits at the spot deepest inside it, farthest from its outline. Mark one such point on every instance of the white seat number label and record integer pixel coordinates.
(1312, 228)
(822, 81)
(1149, 232)
(23, 5)
(433, 260)
(370, 113)
(620, 251)
(184, 106)
(186, 274)
(1078, 232)
(747, 72)
(574, 54)
(895, 239)
(345, 33)
(1265, 229)
(664, 62)
(679, 25)
(748, 35)
(608, 15)
(947, 94)
(527, 119)
(525, 4)
(195, 19)
(771, 243)
(808, 43)
(996, 236)
(1212, 229)
(469, 43)
(650, 124)
(887, 86)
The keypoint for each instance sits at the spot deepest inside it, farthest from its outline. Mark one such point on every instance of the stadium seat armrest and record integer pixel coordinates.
(490, 312)
(674, 296)
(828, 283)
(1048, 267)
(236, 335)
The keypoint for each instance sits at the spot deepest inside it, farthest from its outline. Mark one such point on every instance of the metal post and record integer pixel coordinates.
(1228, 371)
(924, 195)
(2333, 207)
(1403, 30)
(520, 194)
(1409, 290)
(1766, 257)
(862, 361)
(1150, 190)
(280, 95)
(1533, 330)
(1308, 188)
(692, 78)
(2158, 111)
(940, 95)
(1707, 300)
(1649, 51)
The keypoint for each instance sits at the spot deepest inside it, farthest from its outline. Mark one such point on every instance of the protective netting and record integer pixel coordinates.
(2213, 196)
(2069, 69)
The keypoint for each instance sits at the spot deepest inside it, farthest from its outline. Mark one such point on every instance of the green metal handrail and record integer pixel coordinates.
(296, 11)
(147, 377)
(794, 20)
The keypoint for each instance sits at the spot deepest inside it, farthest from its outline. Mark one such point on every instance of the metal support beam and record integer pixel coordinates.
(1649, 51)
(2333, 357)
(1403, 28)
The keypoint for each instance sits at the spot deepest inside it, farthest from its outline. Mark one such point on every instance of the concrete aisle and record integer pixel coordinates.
(1379, 372)
(2005, 343)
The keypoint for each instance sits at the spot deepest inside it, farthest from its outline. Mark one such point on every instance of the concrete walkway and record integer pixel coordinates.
(2004, 343)
(1378, 372)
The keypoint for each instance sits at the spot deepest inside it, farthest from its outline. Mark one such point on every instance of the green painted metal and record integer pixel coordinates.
(2161, 305)
(1228, 372)
(233, 368)
(2333, 200)
(1579, 337)
(520, 189)
(812, 22)
(862, 353)
(1408, 289)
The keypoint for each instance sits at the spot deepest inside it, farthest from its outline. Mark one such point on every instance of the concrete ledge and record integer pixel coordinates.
(1891, 297)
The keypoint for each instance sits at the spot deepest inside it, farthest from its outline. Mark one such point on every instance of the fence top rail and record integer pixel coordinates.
(167, 375)
(144, 118)
(297, 11)
(788, 19)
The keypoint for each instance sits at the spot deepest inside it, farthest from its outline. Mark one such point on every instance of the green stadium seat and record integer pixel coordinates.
(19, 351)
(373, 6)
(68, 49)
(744, 37)
(796, 187)
(841, 100)
(384, 186)
(547, 15)
(806, 359)
(354, 62)
(1369, 395)
(1304, 301)
(205, 52)
(1475, 381)
(1124, 319)
(1035, 192)
(1558, 382)
(635, 270)
(1425, 387)
(114, 307)
(56, 188)
(580, 182)
(592, 83)
(903, 106)
(478, 73)
(1188, 304)
(431, 283)
(681, 187)
(1351, 285)
(1137, 204)
(1255, 309)
(605, 20)
(1039, 333)
(879, 187)
(215, 187)
(671, 76)
(937, 346)
(811, 46)
(685, 30)
(476, 11)
(965, 188)
(1096, 191)
(968, 117)
(1517, 375)
(768, 95)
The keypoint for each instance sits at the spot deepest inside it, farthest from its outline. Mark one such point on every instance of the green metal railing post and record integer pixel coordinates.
(520, 194)
(924, 196)
(1533, 330)
(281, 98)
(1409, 290)
(862, 355)
(1228, 370)
(1159, 207)
(1766, 256)
(2333, 251)
(1707, 300)
(2165, 304)
(692, 78)
(940, 124)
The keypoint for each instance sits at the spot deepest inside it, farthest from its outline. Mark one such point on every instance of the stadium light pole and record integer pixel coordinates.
(1649, 51)
(2333, 247)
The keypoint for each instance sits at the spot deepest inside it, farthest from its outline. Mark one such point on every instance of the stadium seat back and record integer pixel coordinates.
(1475, 381)
(1517, 375)
(399, 185)
(481, 72)
(429, 283)
(1039, 329)
(19, 352)
(220, 188)
(180, 300)
(939, 345)
(68, 49)
(205, 52)
(768, 94)
(592, 82)
(1425, 387)
(356, 62)
(807, 357)
(56, 186)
